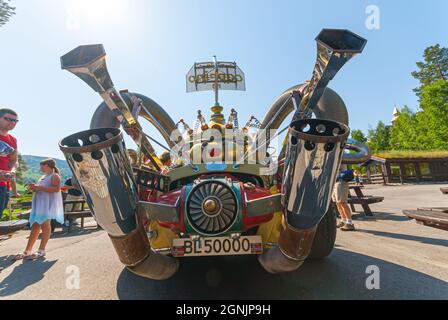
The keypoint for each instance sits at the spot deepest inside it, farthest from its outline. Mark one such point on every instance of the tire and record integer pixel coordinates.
(325, 237)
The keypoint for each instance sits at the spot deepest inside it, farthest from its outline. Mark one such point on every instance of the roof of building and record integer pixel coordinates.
(409, 154)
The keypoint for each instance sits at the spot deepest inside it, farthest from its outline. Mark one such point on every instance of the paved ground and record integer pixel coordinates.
(412, 260)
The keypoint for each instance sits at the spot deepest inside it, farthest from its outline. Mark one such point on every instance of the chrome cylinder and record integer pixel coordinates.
(362, 152)
(313, 157)
(99, 162)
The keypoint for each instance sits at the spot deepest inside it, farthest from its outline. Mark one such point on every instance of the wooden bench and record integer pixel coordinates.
(11, 226)
(73, 214)
(432, 218)
(24, 205)
(362, 200)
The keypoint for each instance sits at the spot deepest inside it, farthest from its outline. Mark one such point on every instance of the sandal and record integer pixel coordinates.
(39, 254)
(21, 256)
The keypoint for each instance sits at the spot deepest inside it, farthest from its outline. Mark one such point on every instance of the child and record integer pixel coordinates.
(47, 205)
(357, 175)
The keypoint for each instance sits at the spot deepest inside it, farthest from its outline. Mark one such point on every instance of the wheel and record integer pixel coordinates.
(325, 237)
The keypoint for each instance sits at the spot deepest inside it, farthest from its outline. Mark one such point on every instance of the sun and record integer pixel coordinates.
(97, 12)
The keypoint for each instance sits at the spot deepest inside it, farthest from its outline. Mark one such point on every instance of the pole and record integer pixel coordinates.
(216, 80)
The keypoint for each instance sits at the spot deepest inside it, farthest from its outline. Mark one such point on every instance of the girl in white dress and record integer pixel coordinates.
(47, 205)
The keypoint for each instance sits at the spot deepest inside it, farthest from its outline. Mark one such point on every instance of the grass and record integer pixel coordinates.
(403, 154)
(6, 216)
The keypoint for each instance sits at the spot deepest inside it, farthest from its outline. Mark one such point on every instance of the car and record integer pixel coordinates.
(219, 188)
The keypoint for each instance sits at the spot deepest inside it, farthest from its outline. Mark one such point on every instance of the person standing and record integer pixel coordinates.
(8, 163)
(340, 197)
(47, 205)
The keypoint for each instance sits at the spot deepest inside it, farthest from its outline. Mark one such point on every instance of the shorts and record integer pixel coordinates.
(340, 192)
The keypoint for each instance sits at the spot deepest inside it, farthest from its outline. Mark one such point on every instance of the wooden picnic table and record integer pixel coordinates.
(436, 217)
(73, 214)
(361, 199)
(431, 217)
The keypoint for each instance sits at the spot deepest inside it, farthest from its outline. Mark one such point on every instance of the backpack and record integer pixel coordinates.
(346, 175)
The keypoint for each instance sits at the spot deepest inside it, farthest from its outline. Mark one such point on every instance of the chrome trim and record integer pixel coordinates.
(199, 191)
(159, 211)
(263, 206)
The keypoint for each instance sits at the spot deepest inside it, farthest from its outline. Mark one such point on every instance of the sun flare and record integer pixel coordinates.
(96, 12)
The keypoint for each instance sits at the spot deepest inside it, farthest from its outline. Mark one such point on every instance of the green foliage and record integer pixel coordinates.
(434, 67)
(427, 129)
(379, 138)
(7, 216)
(358, 135)
(6, 11)
(432, 121)
(402, 154)
(403, 133)
(23, 167)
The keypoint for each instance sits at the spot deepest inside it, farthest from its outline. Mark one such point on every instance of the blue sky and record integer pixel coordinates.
(152, 44)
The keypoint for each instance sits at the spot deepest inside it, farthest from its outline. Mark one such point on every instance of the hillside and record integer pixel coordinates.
(33, 172)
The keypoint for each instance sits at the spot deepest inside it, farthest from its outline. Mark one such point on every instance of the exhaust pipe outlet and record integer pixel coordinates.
(313, 157)
(100, 164)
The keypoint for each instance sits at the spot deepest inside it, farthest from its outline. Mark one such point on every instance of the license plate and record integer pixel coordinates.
(219, 246)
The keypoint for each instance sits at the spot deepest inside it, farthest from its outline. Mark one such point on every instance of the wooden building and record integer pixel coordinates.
(408, 167)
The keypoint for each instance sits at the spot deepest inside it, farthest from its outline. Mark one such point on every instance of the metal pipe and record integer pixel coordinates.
(100, 164)
(313, 157)
(334, 48)
(151, 111)
(89, 64)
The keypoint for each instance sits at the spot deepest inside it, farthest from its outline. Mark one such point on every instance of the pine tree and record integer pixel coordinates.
(6, 11)
(433, 68)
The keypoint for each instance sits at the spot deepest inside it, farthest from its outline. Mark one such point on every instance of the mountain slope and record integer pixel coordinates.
(33, 172)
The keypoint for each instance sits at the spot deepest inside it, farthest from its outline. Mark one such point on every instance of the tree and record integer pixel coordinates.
(378, 138)
(432, 120)
(434, 67)
(6, 11)
(405, 131)
(358, 135)
(23, 166)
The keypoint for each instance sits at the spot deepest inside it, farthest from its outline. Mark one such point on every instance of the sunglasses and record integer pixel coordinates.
(11, 119)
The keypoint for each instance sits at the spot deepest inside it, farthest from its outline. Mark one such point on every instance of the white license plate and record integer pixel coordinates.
(218, 246)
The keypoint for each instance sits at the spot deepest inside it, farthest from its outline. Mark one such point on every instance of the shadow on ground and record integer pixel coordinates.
(341, 276)
(380, 216)
(25, 274)
(74, 232)
(426, 240)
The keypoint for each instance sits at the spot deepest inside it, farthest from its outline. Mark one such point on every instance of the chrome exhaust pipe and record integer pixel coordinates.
(313, 157)
(89, 64)
(100, 164)
(334, 48)
(151, 111)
